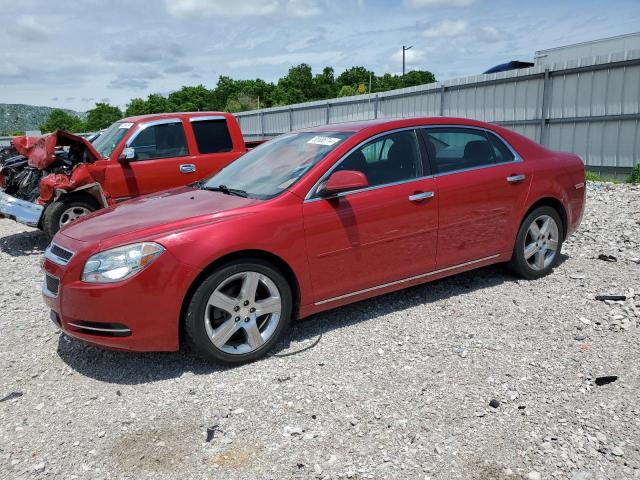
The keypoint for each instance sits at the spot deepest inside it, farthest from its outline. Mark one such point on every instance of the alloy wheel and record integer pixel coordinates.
(243, 312)
(71, 214)
(541, 242)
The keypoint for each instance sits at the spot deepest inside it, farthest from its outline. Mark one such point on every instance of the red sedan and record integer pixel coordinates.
(309, 221)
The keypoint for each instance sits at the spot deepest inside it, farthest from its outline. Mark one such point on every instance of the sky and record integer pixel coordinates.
(73, 54)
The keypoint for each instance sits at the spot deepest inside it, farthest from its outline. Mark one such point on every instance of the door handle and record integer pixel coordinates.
(417, 197)
(187, 168)
(516, 178)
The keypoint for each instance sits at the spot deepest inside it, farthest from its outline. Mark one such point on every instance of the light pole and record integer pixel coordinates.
(404, 49)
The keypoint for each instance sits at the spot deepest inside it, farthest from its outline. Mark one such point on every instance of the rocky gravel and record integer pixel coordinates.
(478, 376)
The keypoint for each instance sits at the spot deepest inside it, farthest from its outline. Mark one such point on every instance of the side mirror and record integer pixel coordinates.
(128, 154)
(343, 181)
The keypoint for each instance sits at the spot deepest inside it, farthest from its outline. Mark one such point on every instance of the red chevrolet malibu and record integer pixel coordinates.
(309, 221)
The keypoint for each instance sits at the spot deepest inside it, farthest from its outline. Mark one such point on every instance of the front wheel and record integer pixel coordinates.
(65, 211)
(538, 243)
(239, 312)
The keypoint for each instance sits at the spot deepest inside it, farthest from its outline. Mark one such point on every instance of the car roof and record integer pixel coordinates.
(162, 116)
(389, 123)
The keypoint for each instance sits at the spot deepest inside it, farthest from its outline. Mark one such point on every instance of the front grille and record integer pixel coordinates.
(58, 254)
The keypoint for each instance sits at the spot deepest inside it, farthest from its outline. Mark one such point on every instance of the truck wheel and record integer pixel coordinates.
(65, 211)
(239, 312)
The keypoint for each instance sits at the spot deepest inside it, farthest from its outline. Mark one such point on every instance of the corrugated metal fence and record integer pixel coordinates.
(589, 106)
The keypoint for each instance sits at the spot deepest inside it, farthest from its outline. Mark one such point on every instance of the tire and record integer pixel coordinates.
(534, 256)
(58, 213)
(223, 322)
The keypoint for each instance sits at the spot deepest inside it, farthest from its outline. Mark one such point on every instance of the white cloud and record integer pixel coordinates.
(302, 8)
(222, 8)
(288, 59)
(410, 56)
(490, 34)
(28, 27)
(437, 3)
(448, 28)
(242, 8)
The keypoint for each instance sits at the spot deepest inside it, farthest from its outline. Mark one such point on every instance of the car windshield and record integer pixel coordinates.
(274, 166)
(108, 140)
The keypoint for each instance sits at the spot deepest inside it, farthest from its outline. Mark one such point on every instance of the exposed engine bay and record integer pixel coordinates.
(29, 160)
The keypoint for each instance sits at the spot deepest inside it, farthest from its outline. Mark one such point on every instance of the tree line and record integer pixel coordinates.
(299, 85)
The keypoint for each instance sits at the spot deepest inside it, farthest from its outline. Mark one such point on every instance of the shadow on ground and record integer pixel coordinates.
(32, 242)
(134, 368)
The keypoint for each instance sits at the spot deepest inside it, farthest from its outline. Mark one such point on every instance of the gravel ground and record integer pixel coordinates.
(395, 387)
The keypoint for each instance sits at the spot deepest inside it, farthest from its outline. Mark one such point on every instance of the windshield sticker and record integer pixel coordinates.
(319, 140)
(125, 125)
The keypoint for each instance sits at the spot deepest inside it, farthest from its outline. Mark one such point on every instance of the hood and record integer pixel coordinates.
(157, 213)
(40, 150)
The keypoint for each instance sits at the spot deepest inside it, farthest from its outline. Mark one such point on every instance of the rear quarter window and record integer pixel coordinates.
(502, 153)
(212, 136)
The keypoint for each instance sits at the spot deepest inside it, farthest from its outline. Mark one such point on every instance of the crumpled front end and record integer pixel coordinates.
(38, 168)
(20, 210)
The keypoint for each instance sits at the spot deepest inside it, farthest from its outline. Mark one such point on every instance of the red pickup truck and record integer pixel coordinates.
(50, 181)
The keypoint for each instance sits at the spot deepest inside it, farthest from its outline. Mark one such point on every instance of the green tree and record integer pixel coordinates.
(188, 99)
(354, 76)
(101, 116)
(296, 86)
(157, 103)
(388, 82)
(347, 91)
(137, 106)
(418, 77)
(61, 120)
(241, 103)
(325, 84)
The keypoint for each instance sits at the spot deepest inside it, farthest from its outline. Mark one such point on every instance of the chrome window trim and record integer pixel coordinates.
(210, 117)
(516, 157)
(310, 197)
(55, 258)
(143, 126)
(405, 280)
(45, 291)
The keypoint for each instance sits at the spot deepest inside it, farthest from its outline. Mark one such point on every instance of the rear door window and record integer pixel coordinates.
(212, 136)
(160, 141)
(458, 148)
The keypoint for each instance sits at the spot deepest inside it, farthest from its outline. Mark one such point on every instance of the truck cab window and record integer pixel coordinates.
(160, 141)
(212, 136)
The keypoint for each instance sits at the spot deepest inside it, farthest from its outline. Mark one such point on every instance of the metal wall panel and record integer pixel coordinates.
(309, 117)
(276, 122)
(592, 107)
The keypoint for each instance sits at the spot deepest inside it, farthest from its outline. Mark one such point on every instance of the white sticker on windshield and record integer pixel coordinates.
(319, 140)
(125, 125)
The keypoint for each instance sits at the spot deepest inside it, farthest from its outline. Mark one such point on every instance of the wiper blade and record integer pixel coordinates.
(228, 191)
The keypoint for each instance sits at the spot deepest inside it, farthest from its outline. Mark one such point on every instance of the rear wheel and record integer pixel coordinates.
(65, 211)
(538, 243)
(239, 312)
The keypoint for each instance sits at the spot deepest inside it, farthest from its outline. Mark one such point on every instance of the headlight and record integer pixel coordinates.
(120, 263)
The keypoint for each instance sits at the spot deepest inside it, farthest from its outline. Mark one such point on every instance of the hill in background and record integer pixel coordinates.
(19, 118)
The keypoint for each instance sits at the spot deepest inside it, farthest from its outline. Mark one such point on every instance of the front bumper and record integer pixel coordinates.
(20, 210)
(141, 313)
